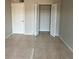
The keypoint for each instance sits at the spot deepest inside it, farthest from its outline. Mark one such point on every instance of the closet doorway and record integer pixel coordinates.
(45, 18)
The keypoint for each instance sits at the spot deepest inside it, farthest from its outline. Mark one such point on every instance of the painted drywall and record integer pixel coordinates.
(29, 17)
(45, 17)
(66, 22)
(8, 21)
(29, 13)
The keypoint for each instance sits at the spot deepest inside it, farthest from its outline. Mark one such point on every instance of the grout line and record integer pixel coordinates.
(31, 57)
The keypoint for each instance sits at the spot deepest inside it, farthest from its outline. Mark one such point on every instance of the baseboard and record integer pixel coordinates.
(8, 36)
(28, 34)
(66, 44)
(18, 33)
(24, 33)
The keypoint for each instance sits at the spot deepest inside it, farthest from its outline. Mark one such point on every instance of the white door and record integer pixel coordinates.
(36, 26)
(18, 17)
(53, 20)
(44, 17)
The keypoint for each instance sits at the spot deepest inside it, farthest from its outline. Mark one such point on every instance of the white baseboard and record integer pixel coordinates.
(24, 33)
(66, 44)
(18, 33)
(28, 34)
(8, 36)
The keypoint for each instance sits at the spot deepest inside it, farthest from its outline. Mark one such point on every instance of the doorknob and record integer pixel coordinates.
(22, 21)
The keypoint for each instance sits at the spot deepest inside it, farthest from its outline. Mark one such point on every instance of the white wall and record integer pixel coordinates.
(29, 17)
(29, 12)
(45, 17)
(8, 21)
(66, 22)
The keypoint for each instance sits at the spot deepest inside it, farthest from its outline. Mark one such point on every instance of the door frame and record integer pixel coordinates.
(52, 5)
(36, 19)
(54, 25)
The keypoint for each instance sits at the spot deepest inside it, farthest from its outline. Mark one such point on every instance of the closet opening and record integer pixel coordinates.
(44, 18)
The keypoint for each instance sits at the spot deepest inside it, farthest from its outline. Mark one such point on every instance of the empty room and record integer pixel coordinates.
(38, 29)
